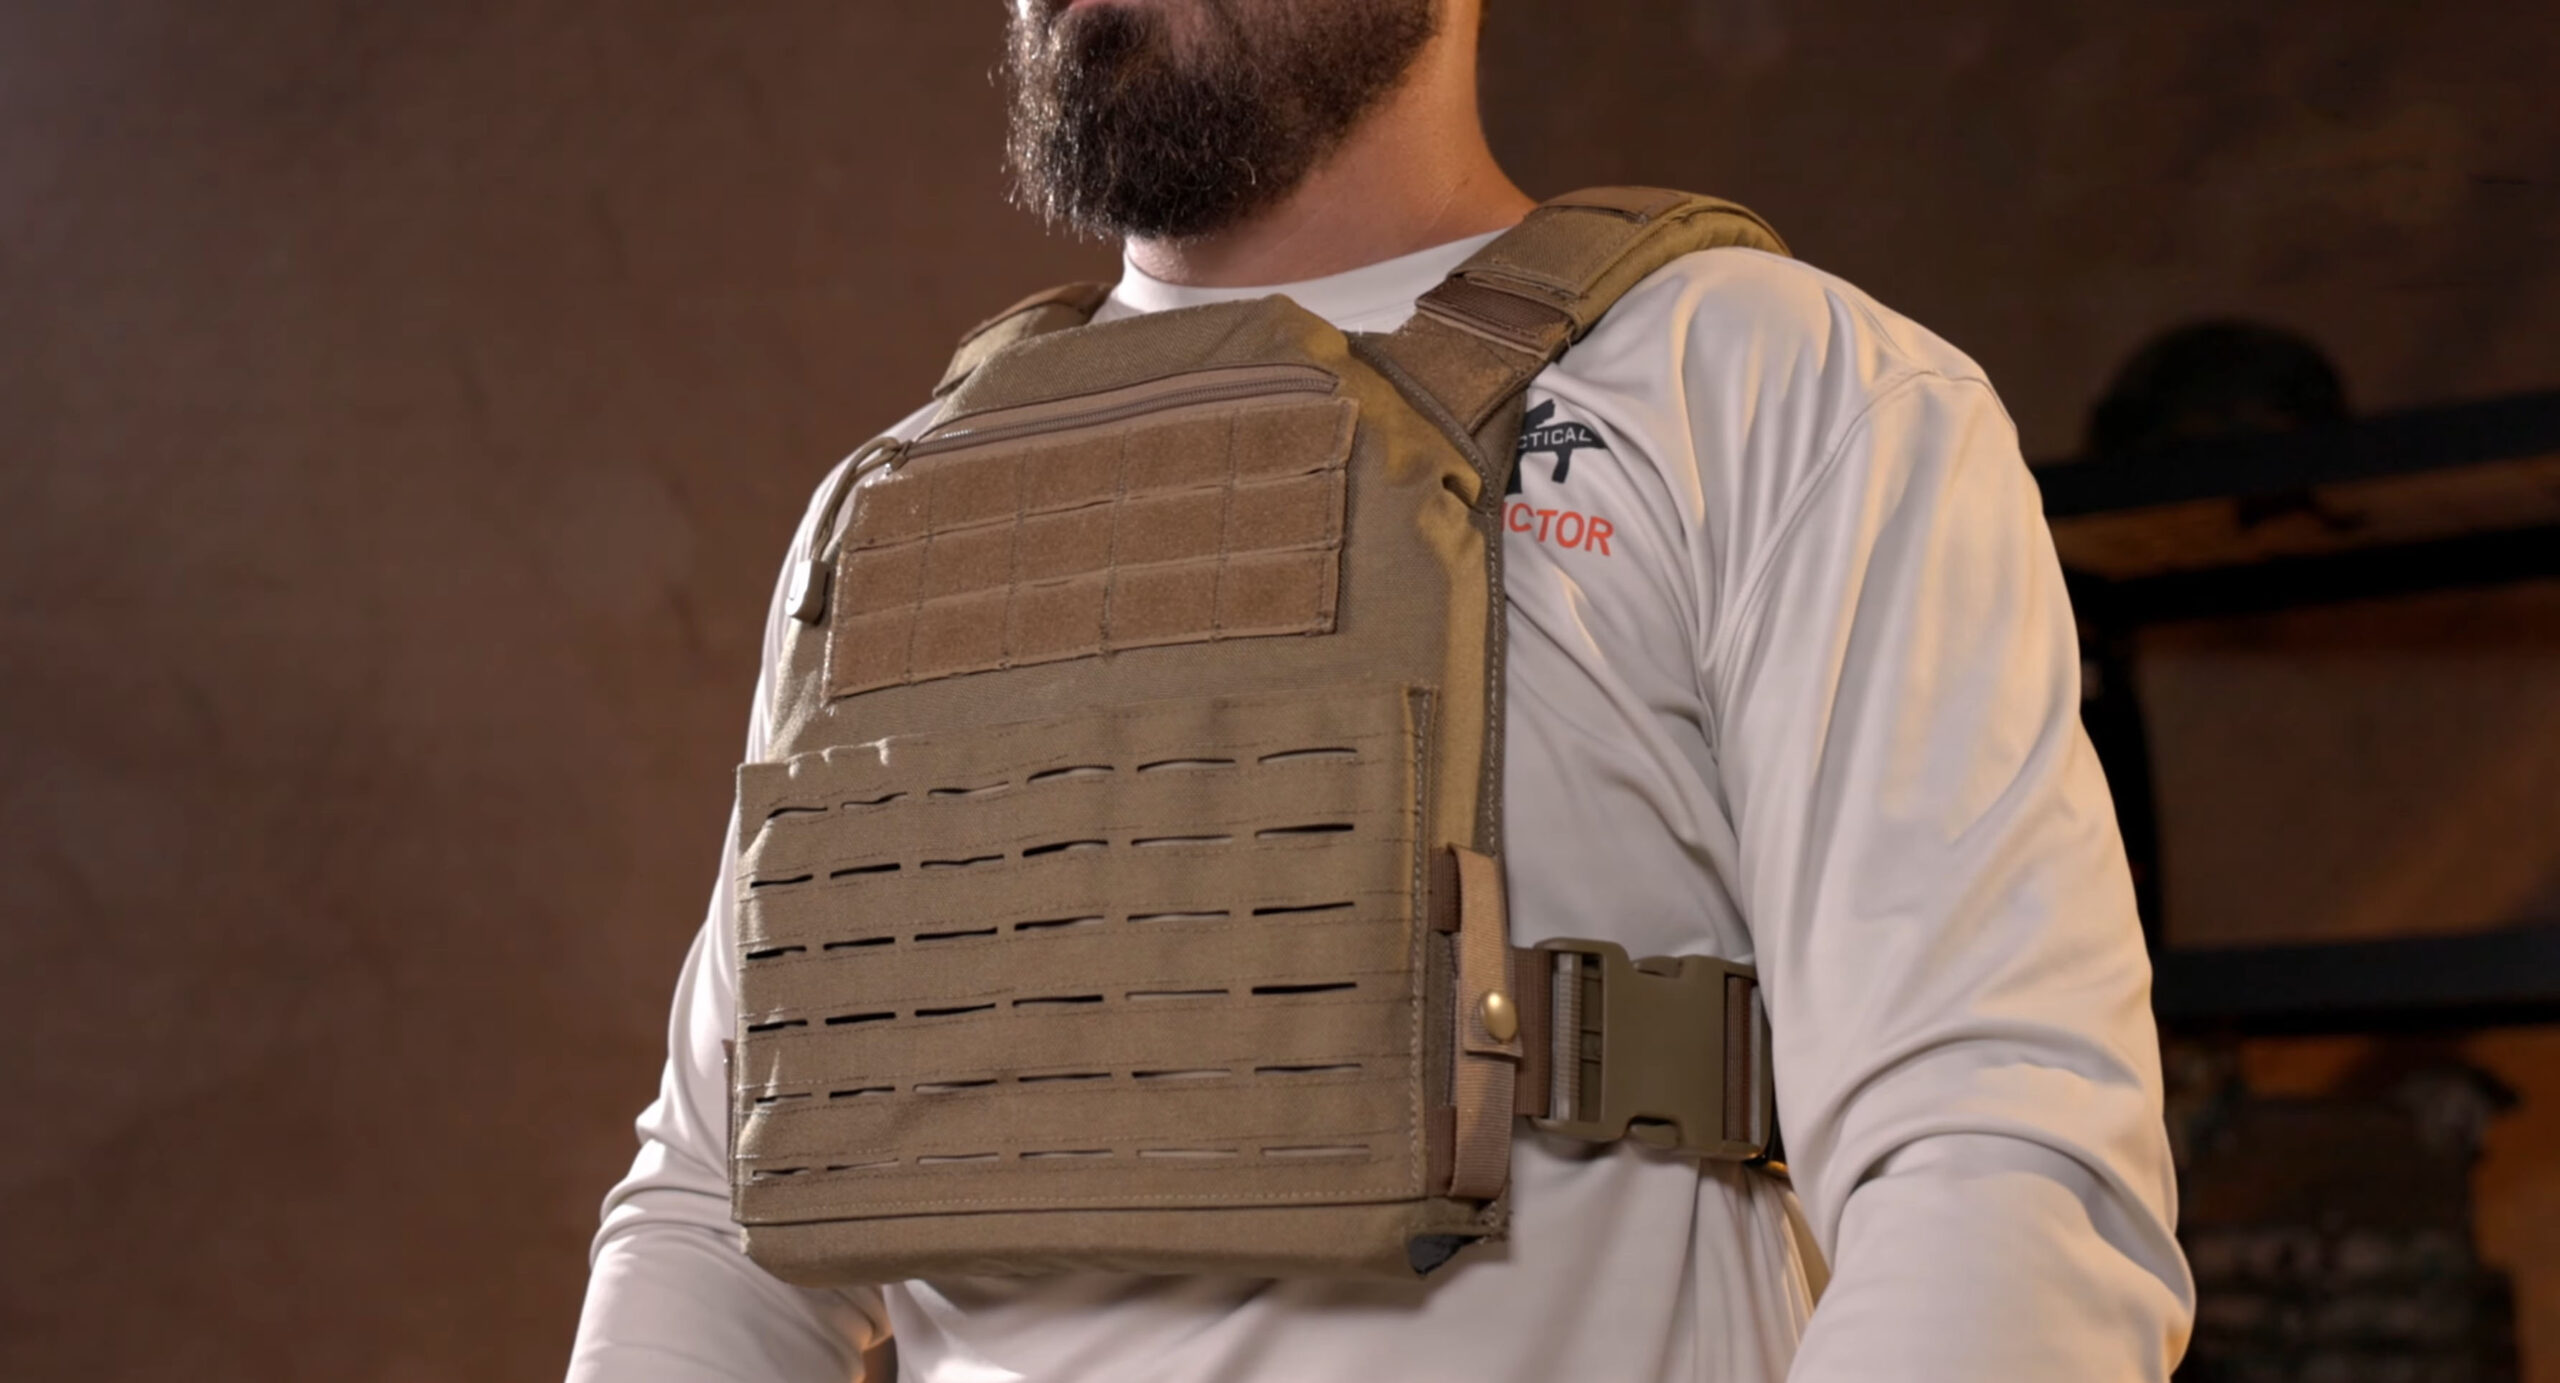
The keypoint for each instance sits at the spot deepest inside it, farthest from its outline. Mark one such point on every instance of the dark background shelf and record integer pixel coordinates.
(2387, 444)
(2496, 978)
(2501, 977)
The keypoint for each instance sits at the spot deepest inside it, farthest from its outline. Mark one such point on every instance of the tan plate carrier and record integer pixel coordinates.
(1123, 892)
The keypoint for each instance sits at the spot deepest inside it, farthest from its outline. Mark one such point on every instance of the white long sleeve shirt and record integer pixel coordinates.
(1792, 680)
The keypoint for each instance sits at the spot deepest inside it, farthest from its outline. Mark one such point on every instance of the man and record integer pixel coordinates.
(1791, 680)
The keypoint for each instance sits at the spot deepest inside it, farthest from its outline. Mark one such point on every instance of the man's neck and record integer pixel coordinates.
(1416, 173)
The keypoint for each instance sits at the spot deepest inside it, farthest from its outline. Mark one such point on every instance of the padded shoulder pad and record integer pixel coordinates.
(1051, 309)
(1581, 252)
(1477, 340)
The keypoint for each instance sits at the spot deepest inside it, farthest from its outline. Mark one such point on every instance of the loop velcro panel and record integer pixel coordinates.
(1156, 956)
(1068, 541)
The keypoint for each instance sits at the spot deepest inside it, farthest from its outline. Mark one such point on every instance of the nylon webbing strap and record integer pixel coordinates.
(1477, 340)
(1053, 309)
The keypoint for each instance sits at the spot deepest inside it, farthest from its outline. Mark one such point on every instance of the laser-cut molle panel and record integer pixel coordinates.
(1208, 523)
(1156, 956)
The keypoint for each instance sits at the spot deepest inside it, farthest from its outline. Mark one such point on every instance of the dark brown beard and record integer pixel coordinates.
(1118, 130)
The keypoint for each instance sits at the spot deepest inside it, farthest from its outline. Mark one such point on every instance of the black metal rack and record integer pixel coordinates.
(2508, 975)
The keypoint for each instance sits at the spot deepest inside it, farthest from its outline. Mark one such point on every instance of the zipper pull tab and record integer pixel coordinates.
(809, 583)
(814, 574)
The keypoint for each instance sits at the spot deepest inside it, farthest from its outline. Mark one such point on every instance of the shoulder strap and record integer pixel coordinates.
(1054, 309)
(1476, 341)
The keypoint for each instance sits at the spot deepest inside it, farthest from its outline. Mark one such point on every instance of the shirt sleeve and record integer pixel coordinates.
(671, 1295)
(1968, 1074)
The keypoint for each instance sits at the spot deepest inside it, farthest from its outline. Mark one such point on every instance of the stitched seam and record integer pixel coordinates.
(1384, 1193)
(1755, 583)
(1417, 1167)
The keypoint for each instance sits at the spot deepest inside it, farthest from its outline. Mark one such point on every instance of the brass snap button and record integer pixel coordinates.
(1501, 1020)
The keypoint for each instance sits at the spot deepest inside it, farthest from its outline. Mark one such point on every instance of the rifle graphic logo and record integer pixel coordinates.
(1539, 432)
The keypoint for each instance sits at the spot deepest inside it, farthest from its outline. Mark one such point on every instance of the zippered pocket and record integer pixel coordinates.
(1193, 507)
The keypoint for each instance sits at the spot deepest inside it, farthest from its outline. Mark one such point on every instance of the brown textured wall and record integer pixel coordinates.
(402, 409)
(405, 409)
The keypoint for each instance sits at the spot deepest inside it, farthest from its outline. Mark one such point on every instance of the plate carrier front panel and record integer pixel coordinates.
(1122, 889)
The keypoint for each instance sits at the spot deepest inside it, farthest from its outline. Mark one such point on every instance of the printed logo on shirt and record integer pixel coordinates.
(1543, 434)
(1540, 433)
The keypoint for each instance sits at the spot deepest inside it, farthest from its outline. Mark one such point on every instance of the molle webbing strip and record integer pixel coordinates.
(841, 791)
(1053, 892)
(1145, 960)
(906, 1053)
(1107, 1042)
(1201, 523)
(1054, 309)
(1200, 1112)
(1108, 811)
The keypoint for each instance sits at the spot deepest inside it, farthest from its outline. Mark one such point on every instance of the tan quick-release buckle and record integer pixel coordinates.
(1669, 1050)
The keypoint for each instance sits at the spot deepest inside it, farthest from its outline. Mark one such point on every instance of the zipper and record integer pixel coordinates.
(808, 596)
(1117, 405)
